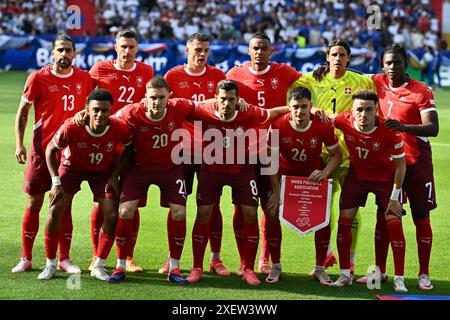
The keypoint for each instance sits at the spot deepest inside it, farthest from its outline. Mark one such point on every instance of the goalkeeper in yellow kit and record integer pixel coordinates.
(332, 93)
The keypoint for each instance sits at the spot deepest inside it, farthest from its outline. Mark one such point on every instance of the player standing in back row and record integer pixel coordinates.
(409, 108)
(264, 84)
(125, 78)
(197, 81)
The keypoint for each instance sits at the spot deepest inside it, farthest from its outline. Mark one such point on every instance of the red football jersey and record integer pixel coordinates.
(126, 86)
(301, 149)
(55, 97)
(234, 134)
(85, 150)
(153, 138)
(265, 89)
(370, 152)
(406, 104)
(194, 86)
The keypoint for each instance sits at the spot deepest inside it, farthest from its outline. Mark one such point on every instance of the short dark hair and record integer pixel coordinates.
(157, 83)
(365, 95)
(126, 33)
(394, 49)
(260, 35)
(202, 37)
(339, 43)
(299, 93)
(227, 85)
(100, 95)
(63, 37)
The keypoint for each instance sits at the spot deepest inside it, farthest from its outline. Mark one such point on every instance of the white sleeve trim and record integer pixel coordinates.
(268, 115)
(428, 110)
(26, 100)
(56, 145)
(334, 146)
(398, 156)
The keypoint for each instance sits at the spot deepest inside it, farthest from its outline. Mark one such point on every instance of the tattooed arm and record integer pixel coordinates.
(21, 124)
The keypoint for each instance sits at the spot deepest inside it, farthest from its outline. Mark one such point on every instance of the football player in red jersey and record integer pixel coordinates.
(264, 84)
(87, 154)
(377, 165)
(57, 92)
(196, 80)
(152, 128)
(125, 78)
(222, 165)
(300, 151)
(409, 108)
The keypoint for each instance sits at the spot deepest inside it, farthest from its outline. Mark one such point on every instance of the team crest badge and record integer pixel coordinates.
(139, 81)
(109, 147)
(274, 83)
(348, 91)
(78, 87)
(247, 82)
(171, 125)
(287, 140)
(313, 143)
(351, 138)
(184, 85)
(210, 85)
(81, 145)
(376, 146)
(53, 88)
(113, 76)
(303, 222)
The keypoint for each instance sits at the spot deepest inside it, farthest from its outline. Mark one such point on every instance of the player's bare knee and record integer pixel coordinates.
(34, 202)
(178, 212)
(204, 213)
(250, 214)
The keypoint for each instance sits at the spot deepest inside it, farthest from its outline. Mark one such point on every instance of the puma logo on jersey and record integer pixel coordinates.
(197, 84)
(67, 87)
(299, 141)
(333, 89)
(362, 141)
(260, 81)
(128, 78)
(96, 145)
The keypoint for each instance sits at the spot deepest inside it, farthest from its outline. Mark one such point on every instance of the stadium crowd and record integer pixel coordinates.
(412, 23)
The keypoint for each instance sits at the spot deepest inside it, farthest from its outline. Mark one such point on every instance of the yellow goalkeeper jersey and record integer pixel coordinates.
(335, 96)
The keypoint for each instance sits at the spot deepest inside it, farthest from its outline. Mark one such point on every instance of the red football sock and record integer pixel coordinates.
(251, 241)
(123, 237)
(265, 250)
(398, 245)
(344, 241)
(177, 236)
(105, 244)
(424, 237)
(382, 239)
(238, 227)
(51, 240)
(215, 229)
(65, 239)
(321, 241)
(200, 235)
(274, 238)
(30, 227)
(96, 225)
(134, 234)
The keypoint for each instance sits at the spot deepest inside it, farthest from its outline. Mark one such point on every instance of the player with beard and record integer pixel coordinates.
(57, 92)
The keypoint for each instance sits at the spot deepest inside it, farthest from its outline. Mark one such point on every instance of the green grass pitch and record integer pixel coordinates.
(151, 248)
